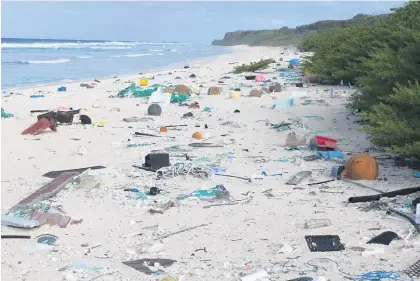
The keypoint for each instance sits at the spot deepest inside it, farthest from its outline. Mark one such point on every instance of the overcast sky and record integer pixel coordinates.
(194, 22)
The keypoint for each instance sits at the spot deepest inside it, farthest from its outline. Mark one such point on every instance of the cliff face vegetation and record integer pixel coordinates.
(290, 36)
(383, 60)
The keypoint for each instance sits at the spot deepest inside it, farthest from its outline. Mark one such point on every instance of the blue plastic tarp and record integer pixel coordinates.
(330, 154)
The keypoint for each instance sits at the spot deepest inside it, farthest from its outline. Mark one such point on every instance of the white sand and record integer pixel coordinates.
(239, 239)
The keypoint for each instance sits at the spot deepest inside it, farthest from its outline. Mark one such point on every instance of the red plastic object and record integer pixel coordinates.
(326, 143)
(40, 126)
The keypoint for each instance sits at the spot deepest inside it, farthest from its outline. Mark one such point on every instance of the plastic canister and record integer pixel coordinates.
(144, 82)
(336, 170)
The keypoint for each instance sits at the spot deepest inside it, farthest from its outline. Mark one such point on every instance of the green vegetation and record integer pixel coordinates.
(290, 36)
(383, 59)
(253, 66)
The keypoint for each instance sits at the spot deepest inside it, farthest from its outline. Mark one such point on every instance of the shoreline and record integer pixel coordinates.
(261, 227)
(151, 71)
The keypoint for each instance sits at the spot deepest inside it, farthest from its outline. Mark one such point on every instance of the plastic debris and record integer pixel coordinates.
(47, 239)
(18, 222)
(4, 114)
(255, 276)
(149, 266)
(138, 92)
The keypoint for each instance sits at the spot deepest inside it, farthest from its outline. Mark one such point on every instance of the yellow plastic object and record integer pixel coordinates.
(235, 94)
(144, 82)
(194, 88)
(169, 278)
(99, 123)
(306, 73)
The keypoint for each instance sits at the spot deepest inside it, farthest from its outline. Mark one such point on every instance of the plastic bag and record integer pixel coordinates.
(284, 103)
(138, 92)
(4, 114)
(178, 98)
(160, 97)
(18, 222)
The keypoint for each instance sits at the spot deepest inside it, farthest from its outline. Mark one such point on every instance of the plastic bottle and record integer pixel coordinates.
(317, 223)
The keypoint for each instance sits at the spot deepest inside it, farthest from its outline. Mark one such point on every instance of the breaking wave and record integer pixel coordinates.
(38, 61)
(81, 45)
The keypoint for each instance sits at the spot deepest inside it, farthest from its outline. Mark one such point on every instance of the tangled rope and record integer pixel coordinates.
(185, 169)
(379, 275)
(372, 275)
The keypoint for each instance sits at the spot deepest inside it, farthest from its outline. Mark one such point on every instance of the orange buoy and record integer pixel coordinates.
(198, 136)
(361, 167)
(163, 129)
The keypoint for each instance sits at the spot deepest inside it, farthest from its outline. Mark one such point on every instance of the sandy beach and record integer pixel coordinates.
(259, 228)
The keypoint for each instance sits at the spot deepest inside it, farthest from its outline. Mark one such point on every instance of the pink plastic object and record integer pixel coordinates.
(259, 78)
(62, 108)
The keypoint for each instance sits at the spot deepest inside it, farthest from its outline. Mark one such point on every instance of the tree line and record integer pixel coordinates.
(383, 60)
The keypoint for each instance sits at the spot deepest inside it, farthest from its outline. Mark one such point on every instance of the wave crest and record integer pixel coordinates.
(38, 61)
(81, 45)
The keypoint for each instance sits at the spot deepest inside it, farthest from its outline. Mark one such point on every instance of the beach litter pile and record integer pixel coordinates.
(214, 182)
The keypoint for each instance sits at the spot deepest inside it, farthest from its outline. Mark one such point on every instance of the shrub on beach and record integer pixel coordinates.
(339, 54)
(384, 61)
(253, 66)
(396, 123)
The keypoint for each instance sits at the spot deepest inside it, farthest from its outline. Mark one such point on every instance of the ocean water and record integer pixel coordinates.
(27, 62)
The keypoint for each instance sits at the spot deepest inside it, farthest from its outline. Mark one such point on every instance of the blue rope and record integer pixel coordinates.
(379, 275)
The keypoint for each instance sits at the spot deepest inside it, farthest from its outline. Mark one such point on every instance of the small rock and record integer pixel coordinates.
(193, 76)
(186, 67)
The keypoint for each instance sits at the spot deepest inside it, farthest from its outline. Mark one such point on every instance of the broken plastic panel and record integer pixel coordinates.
(324, 243)
(144, 265)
